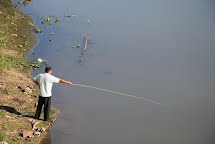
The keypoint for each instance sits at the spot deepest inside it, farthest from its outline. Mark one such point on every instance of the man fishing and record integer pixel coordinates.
(45, 82)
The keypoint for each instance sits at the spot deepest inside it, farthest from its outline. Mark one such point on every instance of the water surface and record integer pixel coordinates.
(158, 49)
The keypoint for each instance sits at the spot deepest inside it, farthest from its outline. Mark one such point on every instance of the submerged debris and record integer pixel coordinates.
(34, 53)
(70, 15)
(89, 21)
(85, 47)
(77, 46)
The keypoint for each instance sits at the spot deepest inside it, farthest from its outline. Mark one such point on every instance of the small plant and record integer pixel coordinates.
(34, 64)
(2, 114)
(2, 136)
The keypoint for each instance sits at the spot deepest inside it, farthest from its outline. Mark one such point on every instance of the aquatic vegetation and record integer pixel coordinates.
(34, 64)
(37, 30)
(24, 2)
(47, 19)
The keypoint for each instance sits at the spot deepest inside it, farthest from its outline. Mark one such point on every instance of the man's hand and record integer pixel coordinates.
(66, 82)
(69, 83)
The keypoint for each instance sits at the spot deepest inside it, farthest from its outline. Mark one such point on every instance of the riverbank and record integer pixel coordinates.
(18, 93)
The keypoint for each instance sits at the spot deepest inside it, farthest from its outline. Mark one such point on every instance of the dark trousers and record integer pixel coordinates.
(46, 101)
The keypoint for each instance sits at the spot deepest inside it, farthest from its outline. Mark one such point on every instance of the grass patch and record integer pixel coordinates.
(2, 136)
(3, 40)
(9, 62)
(2, 114)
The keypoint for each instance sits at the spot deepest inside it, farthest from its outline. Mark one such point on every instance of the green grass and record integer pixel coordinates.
(9, 62)
(2, 136)
(3, 40)
(2, 114)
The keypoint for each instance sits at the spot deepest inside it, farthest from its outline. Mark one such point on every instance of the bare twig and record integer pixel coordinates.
(85, 47)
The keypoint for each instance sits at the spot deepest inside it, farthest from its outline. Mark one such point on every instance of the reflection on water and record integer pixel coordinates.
(162, 50)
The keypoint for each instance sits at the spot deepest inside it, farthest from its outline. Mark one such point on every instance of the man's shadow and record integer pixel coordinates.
(10, 109)
(14, 111)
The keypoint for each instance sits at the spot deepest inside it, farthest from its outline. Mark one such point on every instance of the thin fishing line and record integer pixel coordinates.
(128, 95)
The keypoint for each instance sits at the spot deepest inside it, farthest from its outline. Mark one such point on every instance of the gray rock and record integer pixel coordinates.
(36, 133)
(42, 129)
(26, 134)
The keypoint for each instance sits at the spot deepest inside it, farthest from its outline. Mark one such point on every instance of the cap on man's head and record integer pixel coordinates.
(47, 69)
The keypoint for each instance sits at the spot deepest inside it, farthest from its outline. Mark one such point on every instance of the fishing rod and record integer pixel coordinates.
(128, 95)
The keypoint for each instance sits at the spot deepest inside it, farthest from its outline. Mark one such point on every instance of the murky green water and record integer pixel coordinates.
(162, 50)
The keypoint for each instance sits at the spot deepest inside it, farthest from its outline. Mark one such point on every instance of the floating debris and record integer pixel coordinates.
(67, 15)
(37, 30)
(56, 20)
(51, 33)
(77, 46)
(40, 60)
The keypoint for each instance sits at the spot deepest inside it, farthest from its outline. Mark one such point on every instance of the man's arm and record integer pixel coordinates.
(65, 82)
